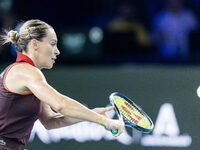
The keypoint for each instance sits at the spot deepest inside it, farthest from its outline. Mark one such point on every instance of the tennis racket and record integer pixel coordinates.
(130, 113)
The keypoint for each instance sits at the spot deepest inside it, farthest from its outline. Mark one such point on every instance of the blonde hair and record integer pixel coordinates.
(31, 29)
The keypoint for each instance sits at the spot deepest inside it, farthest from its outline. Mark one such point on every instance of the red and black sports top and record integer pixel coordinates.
(18, 111)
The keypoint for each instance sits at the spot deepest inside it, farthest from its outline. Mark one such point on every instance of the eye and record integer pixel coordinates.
(53, 44)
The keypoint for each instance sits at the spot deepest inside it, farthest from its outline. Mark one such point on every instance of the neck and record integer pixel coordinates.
(22, 57)
(32, 57)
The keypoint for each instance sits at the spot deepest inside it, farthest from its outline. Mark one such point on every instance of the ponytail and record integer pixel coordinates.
(9, 37)
(31, 29)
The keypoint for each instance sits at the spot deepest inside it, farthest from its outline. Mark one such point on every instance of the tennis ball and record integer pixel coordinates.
(198, 91)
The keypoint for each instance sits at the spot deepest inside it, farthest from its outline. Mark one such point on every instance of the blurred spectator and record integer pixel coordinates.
(126, 39)
(126, 22)
(152, 7)
(171, 30)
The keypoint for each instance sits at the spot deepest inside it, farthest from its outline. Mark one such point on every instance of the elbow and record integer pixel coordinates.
(47, 127)
(46, 124)
(58, 107)
(61, 105)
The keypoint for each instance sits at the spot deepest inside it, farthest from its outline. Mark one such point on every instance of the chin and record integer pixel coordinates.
(48, 66)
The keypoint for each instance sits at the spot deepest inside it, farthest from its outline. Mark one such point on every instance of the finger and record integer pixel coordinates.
(109, 108)
(121, 129)
(119, 132)
(99, 109)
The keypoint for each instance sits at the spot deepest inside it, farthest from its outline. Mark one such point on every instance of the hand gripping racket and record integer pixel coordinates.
(130, 113)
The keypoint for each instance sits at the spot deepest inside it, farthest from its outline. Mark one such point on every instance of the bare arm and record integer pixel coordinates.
(34, 80)
(52, 120)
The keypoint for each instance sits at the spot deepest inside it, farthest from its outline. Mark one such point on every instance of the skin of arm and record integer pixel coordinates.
(37, 84)
(52, 120)
(32, 79)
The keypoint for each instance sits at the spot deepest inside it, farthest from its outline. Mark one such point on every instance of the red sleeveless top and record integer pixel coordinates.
(18, 112)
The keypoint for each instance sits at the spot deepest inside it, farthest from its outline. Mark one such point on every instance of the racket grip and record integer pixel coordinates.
(114, 131)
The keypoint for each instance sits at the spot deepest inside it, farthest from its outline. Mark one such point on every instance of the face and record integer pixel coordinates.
(47, 51)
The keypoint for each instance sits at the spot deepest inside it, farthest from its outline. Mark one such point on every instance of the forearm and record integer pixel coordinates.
(57, 120)
(74, 109)
(60, 103)
(83, 113)
(60, 121)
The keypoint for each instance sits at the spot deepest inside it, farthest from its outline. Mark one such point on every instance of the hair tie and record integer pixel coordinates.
(18, 37)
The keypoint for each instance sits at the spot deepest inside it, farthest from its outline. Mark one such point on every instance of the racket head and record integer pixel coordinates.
(132, 114)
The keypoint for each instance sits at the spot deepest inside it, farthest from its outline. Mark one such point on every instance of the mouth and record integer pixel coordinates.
(54, 59)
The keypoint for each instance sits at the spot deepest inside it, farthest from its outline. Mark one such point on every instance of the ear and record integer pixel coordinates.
(35, 44)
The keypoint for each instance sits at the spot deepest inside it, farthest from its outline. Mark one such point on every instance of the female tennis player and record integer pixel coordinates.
(26, 96)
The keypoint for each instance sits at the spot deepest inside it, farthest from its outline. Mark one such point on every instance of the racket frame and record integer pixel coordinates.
(125, 119)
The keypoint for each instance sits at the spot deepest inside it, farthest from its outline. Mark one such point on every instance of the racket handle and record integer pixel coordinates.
(114, 131)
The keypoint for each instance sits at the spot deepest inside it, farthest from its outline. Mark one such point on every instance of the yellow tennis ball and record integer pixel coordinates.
(198, 91)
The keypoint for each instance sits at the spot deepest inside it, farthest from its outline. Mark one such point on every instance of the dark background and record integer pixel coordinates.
(91, 72)
(116, 47)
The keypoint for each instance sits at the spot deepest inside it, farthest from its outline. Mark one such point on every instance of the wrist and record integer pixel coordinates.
(101, 119)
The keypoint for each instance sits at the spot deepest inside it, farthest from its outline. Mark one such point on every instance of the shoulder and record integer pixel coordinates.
(19, 76)
(25, 71)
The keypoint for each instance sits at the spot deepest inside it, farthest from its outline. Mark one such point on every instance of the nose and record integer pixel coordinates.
(57, 52)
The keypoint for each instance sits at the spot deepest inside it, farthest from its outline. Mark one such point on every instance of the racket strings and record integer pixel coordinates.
(131, 112)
